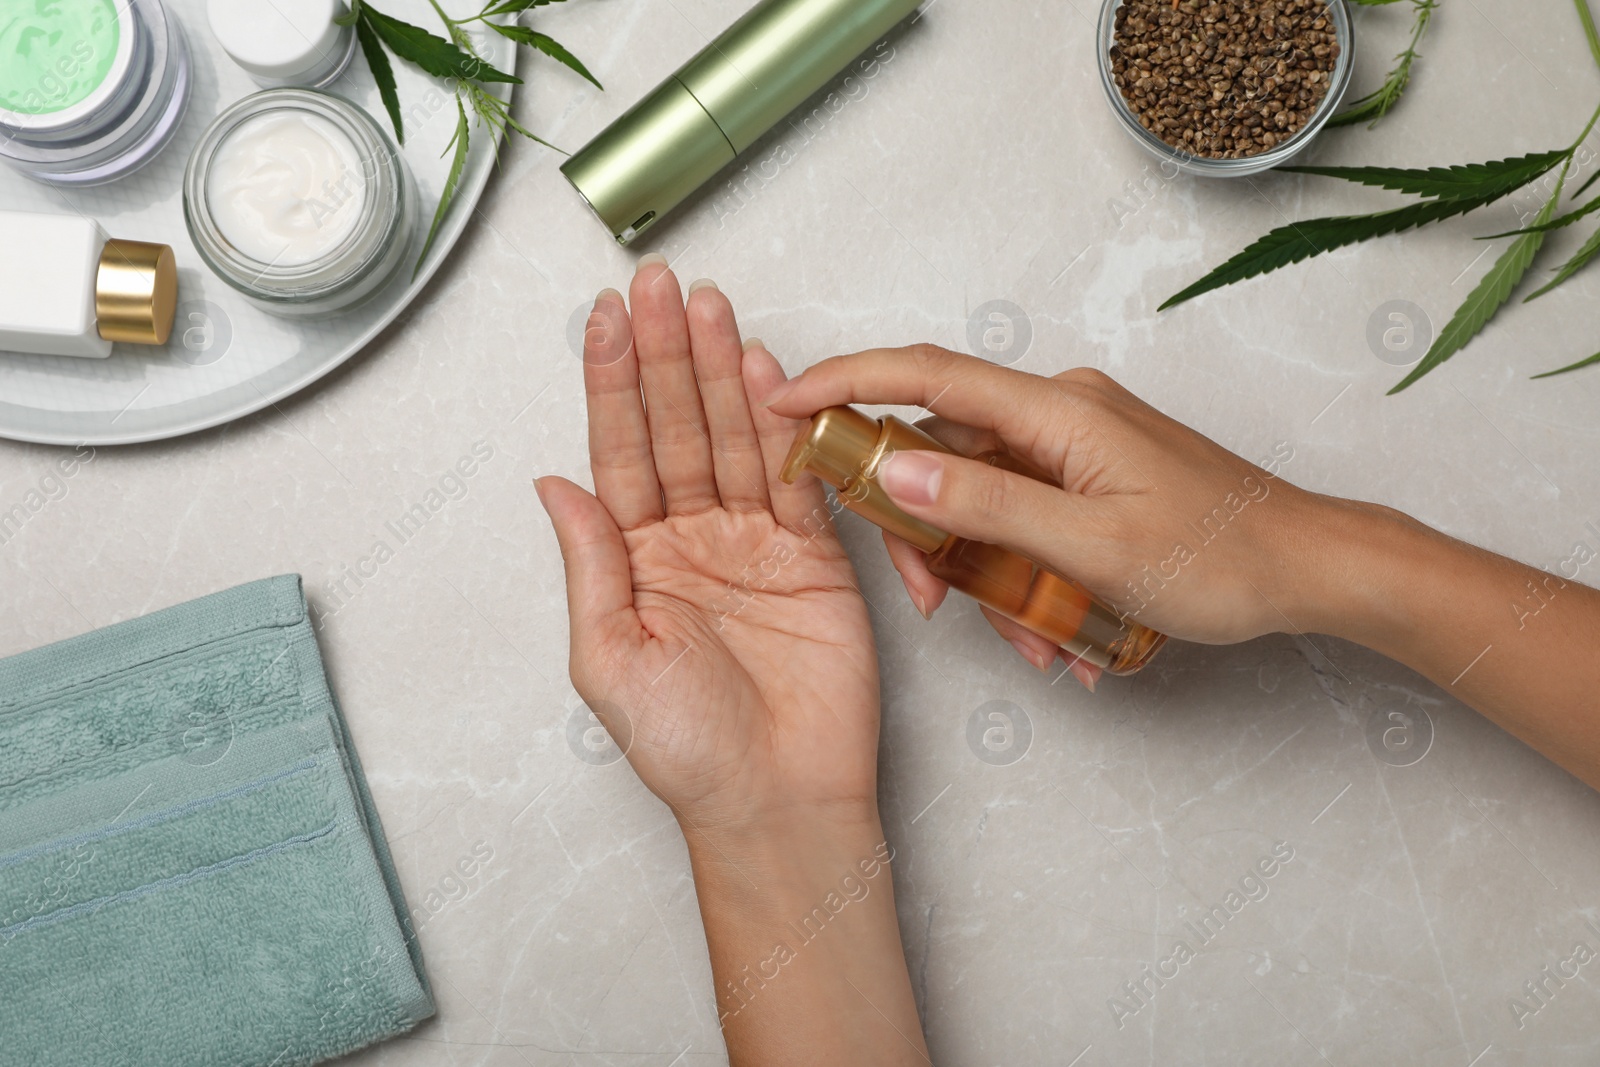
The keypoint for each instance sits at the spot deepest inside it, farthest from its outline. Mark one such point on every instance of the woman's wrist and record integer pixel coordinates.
(1508, 639)
(1380, 578)
(784, 843)
(803, 936)
(1349, 561)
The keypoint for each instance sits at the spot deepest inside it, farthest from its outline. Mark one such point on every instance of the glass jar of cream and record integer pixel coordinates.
(90, 90)
(299, 200)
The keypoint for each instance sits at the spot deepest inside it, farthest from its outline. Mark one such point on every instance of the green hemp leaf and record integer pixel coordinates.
(454, 59)
(1446, 192)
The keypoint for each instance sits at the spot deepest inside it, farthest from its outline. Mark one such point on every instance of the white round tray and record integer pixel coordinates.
(226, 358)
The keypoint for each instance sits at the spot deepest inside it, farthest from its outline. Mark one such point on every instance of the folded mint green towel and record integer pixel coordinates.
(191, 869)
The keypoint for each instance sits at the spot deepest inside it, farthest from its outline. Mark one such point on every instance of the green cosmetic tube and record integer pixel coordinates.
(720, 103)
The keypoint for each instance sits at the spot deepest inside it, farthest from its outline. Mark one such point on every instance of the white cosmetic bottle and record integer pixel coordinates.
(66, 289)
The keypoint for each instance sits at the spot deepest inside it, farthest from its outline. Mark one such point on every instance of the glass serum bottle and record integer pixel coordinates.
(845, 448)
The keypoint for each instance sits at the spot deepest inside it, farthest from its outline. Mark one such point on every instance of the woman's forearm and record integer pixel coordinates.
(1520, 645)
(805, 947)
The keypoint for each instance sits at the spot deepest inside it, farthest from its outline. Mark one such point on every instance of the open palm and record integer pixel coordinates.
(716, 627)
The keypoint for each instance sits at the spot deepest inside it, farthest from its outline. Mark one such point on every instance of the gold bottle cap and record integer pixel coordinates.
(836, 445)
(136, 292)
(844, 448)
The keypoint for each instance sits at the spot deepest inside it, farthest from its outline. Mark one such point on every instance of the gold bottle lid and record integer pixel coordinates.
(136, 292)
(837, 445)
(845, 448)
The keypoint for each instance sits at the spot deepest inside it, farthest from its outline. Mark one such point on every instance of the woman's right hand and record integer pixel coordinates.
(1153, 518)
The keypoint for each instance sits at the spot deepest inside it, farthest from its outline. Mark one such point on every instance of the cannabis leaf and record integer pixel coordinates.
(1447, 192)
(441, 58)
(511, 7)
(1454, 191)
(1592, 245)
(1485, 298)
(1376, 104)
(546, 44)
(1302, 240)
(1571, 366)
(382, 73)
(1586, 17)
(1554, 224)
(457, 164)
(1570, 267)
(1463, 182)
(1496, 287)
(1579, 260)
(455, 59)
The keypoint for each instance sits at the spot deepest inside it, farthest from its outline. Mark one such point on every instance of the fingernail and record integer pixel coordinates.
(608, 292)
(777, 394)
(538, 488)
(1031, 654)
(920, 602)
(702, 283)
(911, 476)
(753, 342)
(1083, 673)
(651, 259)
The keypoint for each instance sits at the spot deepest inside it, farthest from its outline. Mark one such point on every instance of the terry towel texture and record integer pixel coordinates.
(191, 869)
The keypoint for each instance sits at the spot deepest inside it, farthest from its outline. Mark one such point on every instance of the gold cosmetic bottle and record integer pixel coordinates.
(845, 449)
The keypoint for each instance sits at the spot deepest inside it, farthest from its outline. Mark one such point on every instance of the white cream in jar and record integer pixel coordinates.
(286, 187)
(298, 199)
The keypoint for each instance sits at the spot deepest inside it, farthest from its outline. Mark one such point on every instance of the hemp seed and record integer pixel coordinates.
(1223, 79)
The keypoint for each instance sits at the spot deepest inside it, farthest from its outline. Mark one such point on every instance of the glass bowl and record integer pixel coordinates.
(1203, 166)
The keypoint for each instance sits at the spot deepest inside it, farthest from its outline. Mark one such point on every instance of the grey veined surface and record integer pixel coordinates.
(974, 163)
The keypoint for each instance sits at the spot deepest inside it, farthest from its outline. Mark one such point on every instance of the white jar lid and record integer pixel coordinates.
(285, 42)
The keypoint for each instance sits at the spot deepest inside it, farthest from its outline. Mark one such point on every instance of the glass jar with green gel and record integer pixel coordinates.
(55, 53)
(90, 90)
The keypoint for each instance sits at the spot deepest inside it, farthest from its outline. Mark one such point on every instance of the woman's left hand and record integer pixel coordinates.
(717, 630)
(718, 633)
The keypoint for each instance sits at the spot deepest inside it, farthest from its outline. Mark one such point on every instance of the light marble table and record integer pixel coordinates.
(979, 163)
